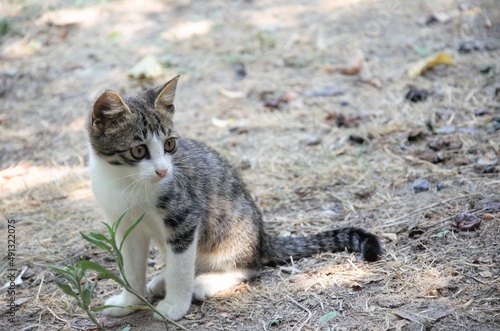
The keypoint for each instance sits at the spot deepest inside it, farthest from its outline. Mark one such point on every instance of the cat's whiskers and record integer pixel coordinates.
(134, 183)
(150, 196)
(121, 178)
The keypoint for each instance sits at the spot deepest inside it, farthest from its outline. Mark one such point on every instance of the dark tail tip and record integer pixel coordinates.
(371, 248)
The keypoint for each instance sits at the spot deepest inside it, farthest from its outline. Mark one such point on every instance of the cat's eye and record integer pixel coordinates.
(139, 152)
(171, 145)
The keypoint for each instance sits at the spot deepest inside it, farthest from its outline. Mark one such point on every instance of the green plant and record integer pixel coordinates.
(82, 289)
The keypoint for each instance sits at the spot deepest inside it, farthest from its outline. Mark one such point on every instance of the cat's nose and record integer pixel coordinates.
(162, 173)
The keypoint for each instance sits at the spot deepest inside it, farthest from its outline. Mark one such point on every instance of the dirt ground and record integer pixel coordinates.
(307, 99)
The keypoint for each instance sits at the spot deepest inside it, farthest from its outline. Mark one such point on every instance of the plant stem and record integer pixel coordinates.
(150, 306)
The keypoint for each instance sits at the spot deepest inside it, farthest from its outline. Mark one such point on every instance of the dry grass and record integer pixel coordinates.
(305, 172)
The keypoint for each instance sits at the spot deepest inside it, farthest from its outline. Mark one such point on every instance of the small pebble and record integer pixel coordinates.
(311, 141)
(481, 112)
(440, 186)
(468, 46)
(417, 95)
(240, 71)
(446, 130)
(421, 185)
(358, 139)
(485, 165)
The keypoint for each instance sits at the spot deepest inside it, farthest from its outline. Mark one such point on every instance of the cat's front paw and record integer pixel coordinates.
(156, 287)
(122, 300)
(174, 311)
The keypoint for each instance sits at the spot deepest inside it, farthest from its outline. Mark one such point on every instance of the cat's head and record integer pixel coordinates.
(135, 134)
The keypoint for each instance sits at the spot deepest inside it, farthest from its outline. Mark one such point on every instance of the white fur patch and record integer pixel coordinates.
(207, 285)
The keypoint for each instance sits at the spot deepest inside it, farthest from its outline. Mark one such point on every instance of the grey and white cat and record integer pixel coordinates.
(197, 209)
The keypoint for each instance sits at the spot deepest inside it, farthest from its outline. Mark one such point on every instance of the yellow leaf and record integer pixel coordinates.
(422, 66)
(147, 68)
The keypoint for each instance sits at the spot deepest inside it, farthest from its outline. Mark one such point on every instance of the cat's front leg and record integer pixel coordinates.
(134, 251)
(179, 276)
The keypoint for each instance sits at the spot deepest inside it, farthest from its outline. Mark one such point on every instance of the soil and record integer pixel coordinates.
(310, 100)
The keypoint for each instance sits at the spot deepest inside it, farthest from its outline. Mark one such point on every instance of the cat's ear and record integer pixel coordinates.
(108, 108)
(165, 100)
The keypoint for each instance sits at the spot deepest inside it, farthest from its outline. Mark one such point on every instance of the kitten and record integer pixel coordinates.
(197, 209)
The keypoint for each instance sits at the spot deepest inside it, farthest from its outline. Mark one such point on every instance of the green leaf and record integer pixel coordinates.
(92, 288)
(130, 230)
(441, 234)
(118, 221)
(99, 242)
(111, 231)
(62, 272)
(98, 236)
(69, 274)
(68, 290)
(85, 295)
(276, 322)
(328, 317)
(103, 272)
(114, 35)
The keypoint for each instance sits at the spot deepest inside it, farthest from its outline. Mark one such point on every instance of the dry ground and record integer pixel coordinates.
(312, 162)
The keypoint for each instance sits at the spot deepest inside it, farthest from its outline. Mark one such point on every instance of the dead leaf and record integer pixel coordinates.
(18, 280)
(466, 222)
(149, 67)
(5, 307)
(231, 94)
(354, 285)
(352, 68)
(375, 82)
(440, 308)
(489, 216)
(428, 314)
(486, 274)
(413, 317)
(391, 236)
(439, 17)
(385, 130)
(423, 65)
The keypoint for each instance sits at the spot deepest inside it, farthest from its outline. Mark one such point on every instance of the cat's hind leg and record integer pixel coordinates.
(208, 284)
(156, 286)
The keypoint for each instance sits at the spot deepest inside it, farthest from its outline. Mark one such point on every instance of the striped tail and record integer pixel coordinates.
(353, 239)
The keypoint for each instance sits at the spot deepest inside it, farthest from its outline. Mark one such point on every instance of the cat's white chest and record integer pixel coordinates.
(120, 191)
